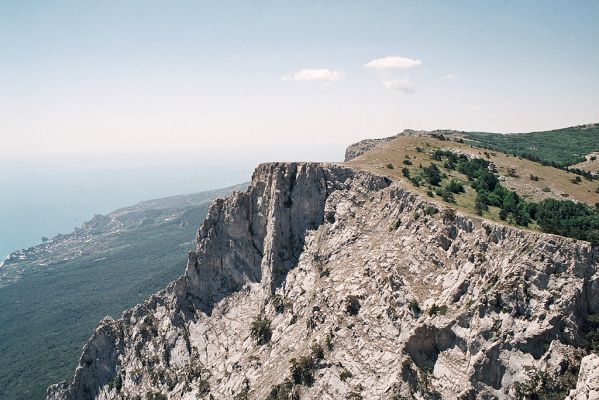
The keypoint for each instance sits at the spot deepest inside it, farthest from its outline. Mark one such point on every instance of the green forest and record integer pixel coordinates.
(561, 217)
(49, 313)
(560, 147)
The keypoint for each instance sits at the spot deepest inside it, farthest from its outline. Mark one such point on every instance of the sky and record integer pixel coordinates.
(169, 83)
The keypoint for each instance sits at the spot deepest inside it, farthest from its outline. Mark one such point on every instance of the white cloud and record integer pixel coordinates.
(474, 108)
(450, 76)
(402, 85)
(321, 74)
(393, 62)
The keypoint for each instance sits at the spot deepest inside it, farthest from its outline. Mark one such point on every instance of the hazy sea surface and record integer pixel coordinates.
(44, 201)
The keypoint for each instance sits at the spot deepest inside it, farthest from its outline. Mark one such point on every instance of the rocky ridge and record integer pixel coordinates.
(326, 282)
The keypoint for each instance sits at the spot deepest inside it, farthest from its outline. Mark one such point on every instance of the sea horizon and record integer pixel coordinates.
(45, 201)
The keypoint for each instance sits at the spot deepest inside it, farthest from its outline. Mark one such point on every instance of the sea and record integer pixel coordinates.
(42, 201)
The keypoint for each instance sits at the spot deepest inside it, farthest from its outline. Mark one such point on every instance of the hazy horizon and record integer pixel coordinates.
(150, 84)
(38, 203)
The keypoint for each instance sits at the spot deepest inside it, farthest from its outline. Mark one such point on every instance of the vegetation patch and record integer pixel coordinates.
(395, 225)
(430, 210)
(560, 147)
(261, 330)
(283, 391)
(435, 309)
(567, 218)
(302, 370)
(352, 305)
(590, 332)
(562, 217)
(345, 375)
(277, 303)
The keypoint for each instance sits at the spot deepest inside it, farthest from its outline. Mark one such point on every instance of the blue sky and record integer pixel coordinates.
(145, 83)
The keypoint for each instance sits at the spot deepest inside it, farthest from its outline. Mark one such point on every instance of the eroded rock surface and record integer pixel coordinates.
(362, 290)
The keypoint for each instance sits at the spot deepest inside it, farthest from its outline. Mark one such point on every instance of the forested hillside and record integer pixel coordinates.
(53, 295)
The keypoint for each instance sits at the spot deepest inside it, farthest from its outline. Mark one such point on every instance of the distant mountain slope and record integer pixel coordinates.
(564, 146)
(560, 147)
(54, 294)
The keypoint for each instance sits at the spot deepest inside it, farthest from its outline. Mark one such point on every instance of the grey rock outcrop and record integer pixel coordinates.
(360, 292)
(588, 380)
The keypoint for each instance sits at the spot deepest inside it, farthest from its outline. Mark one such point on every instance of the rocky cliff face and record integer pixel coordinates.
(323, 282)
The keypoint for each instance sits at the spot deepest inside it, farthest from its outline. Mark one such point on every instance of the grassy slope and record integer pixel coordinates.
(558, 181)
(49, 313)
(565, 146)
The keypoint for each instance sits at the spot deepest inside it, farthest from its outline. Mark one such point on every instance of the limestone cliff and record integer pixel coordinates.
(325, 282)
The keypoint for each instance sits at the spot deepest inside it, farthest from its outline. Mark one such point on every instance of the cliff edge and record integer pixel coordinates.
(325, 282)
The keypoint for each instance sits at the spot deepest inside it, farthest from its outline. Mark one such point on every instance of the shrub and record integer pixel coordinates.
(435, 309)
(243, 394)
(430, 210)
(261, 330)
(590, 331)
(283, 391)
(277, 303)
(437, 154)
(345, 375)
(116, 383)
(395, 225)
(329, 340)
(352, 305)
(447, 196)
(203, 387)
(432, 174)
(480, 205)
(455, 186)
(449, 214)
(448, 164)
(302, 370)
(317, 351)
(405, 172)
(407, 162)
(390, 166)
